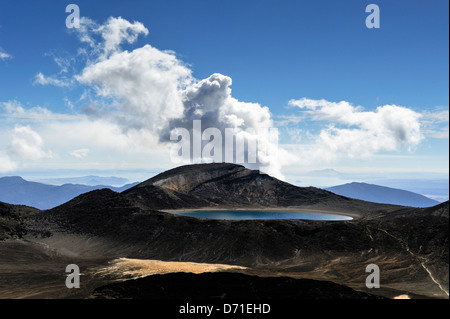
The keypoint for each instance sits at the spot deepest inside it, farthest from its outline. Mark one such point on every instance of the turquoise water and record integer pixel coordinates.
(247, 215)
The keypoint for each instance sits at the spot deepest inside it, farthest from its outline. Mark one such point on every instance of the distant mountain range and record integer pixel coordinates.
(431, 185)
(382, 194)
(16, 190)
(90, 180)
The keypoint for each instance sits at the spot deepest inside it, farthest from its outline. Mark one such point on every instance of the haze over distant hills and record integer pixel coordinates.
(16, 190)
(381, 194)
(431, 185)
(90, 180)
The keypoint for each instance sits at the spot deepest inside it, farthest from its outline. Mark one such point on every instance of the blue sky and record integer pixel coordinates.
(317, 49)
(300, 59)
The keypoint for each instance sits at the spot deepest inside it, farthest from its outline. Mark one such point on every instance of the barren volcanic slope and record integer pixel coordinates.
(11, 220)
(222, 185)
(409, 245)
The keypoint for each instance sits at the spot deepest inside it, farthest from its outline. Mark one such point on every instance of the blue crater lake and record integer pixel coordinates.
(250, 214)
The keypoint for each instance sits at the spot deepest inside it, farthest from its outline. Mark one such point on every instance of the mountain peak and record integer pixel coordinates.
(185, 178)
(224, 185)
(382, 194)
(13, 178)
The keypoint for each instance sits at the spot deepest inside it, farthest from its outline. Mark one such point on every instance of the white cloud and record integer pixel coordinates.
(113, 33)
(152, 91)
(135, 98)
(22, 143)
(118, 30)
(73, 136)
(283, 120)
(89, 134)
(439, 116)
(50, 80)
(145, 82)
(61, 79)
(84, 33)
(69, 103)
(436, 124)
(64, 62)
(359, 134)
(80, 153)
(210, 101)
(27, 144)
(441, 134)
(4, 55)
(14, 110)
(6, 164)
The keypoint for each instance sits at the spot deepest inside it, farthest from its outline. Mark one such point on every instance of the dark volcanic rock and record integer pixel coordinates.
(409, 244)
(125, 220)
(158, 235)
(231, 185)
(159, 198)
(12, 220)
(186, 286)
